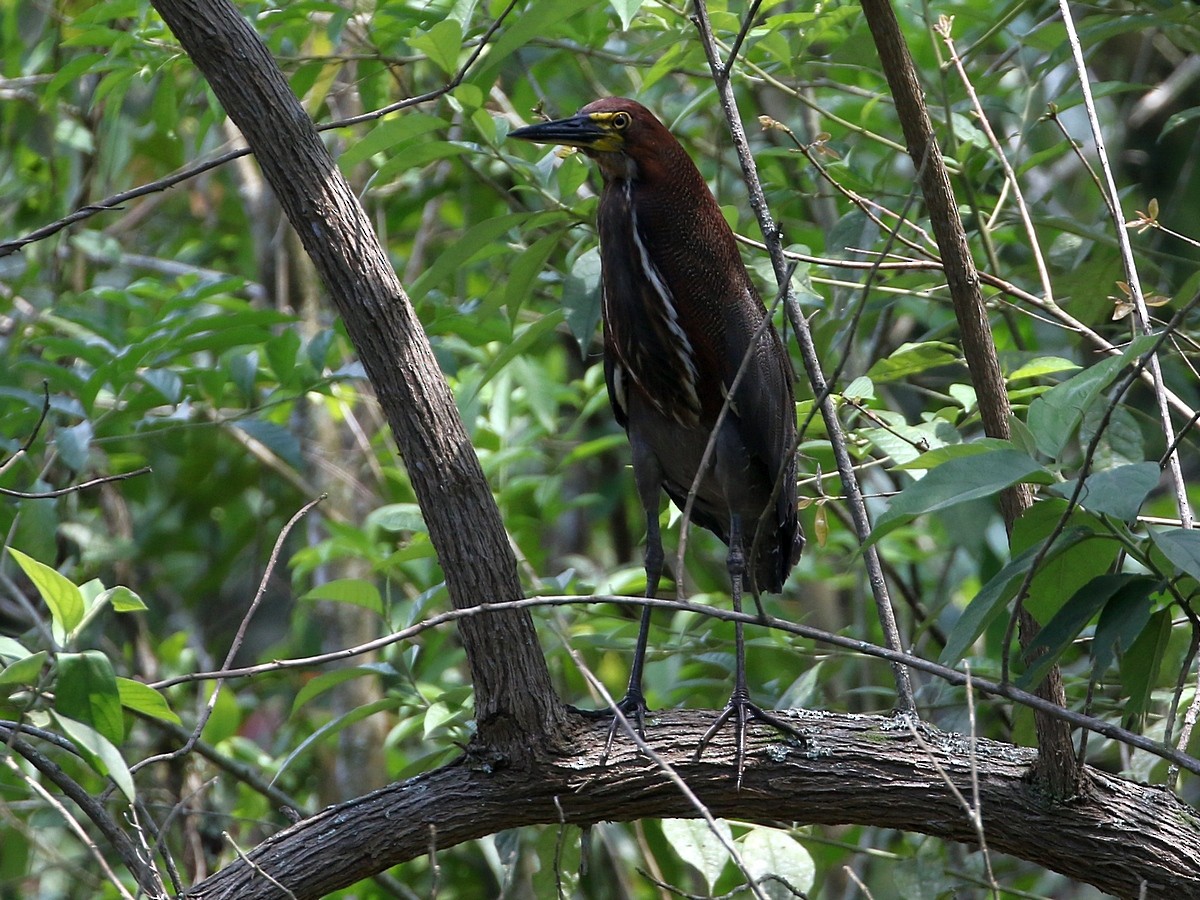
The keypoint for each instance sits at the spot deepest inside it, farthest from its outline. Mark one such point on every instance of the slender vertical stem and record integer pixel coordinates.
(812, 363)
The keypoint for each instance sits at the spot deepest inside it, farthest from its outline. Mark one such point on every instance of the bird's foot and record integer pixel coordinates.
(741, 711)
(632, 707)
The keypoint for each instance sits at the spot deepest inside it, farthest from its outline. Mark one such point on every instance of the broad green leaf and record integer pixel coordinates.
(438, 714)
(477, 239)
(912, 359)
(26, 670)
(354, 591)
(696, 844)
(122, 599)
(13, 649)
(86, 691)
(581, 298)
(1055, 415)
(523, 341)
(61, 596)
(1140, 666)
(1042, 366)
(331, 728)
(146, 700)
(389, 133)
(994, 596)
(931, 459)
(1121, 621)
(539, 20)
(99, 752)
(442, 43)
(327, 681)
(395, 517)
(626, 9)
(769, 851)
(1117, 492)
(1069, 622)
(1182, 547)
(958, 481)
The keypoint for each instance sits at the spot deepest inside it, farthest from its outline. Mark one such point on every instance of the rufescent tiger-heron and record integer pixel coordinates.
(693, 366)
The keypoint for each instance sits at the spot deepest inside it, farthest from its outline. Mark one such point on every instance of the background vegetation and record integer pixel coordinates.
(183, 330)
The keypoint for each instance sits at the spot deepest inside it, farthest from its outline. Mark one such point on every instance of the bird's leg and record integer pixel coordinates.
(648, 475)
(739, 708)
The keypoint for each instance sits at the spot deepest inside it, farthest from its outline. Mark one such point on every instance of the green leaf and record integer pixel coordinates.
(144, 699)
(396, 517)
(60, 595)
(696, 844)
(27, 670)
(442, 43)
(1140, 666)
(769, 851)
(353, 591)
(331, 728)
(1055, 415)
(1181, 546)
(1042, 366)
(991, 600)
(74, 444)
(389, 133)
(626, 9)
(122, 599)
(86, 691)
(327, 681)
(958, 481)
(912, 359)
(13, 649)
(581, 298)
(1074, 615)
(523, 341)
(475, 240)
(1118, 492)
(931, 459)
(99, 753)
(1121, 621)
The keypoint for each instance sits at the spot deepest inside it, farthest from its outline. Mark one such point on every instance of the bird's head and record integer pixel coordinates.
(621, 135)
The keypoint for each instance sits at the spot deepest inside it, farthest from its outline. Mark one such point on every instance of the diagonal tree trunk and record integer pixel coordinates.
(515, 702)
(1057, 768)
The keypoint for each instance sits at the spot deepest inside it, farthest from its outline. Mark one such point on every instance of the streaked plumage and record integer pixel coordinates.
(680, 314)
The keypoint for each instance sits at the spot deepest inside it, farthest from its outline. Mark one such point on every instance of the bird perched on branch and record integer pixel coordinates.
(696, 373)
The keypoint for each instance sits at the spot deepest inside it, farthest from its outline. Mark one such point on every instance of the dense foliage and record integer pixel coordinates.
(182, 330)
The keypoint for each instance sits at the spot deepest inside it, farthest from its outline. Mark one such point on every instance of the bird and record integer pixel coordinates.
(696, 373)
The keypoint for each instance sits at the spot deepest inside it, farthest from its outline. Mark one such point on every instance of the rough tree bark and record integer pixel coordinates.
(532, 762)
(855, 769)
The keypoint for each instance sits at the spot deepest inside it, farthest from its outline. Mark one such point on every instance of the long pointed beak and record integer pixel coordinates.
(577, 131)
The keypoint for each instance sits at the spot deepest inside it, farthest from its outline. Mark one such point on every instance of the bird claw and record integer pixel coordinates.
(741, 710)
(632, 706)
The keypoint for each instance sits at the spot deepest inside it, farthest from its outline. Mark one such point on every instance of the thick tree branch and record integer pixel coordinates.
(1056, 761)
(514, 698)
(855, 770)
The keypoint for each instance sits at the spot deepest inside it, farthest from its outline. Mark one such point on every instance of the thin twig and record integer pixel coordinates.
(854, 645)
(1112, 198)
(812, 364)
(236, 645)
(74, 488)
(943, 28)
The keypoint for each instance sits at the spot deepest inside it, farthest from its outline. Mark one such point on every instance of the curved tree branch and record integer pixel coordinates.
(854, 770)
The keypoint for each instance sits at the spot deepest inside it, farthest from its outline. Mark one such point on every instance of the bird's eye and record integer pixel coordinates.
(621, 120)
